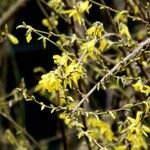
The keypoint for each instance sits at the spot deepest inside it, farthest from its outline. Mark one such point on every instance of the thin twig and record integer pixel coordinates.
(61, 16)
(41, 35)
(44, 11)
(110, 17)
(21, 129)
(46, 15)
(124, 108)
(115, 69)
(98, 145)
(116, 11)
(59, 35)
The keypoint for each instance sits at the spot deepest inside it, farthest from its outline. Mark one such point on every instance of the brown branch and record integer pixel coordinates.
(11, 11)
(114, 70)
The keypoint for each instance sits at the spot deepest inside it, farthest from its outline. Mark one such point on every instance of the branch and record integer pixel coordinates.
(114, 70)
(11, 11)
(21, 129)
(117, 11)
(61, 16)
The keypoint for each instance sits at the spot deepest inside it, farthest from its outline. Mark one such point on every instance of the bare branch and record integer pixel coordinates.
(17, 126)
(115, 69)
(116, 11)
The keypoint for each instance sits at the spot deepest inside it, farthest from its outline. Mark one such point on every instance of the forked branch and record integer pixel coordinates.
(114, 70)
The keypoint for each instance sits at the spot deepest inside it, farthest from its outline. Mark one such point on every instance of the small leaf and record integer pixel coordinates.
(146, 129)
(53, 110)
(28, 37)
(103, 86)
(136, 10)
(98, 86)
(103, 44)
(80, 134)
(87, 114)
(70, 98)
(147, 107)
(12, 38)
(39, 69)
(6, 28)
(111, 114)
(20, 26)
(73, 39)
(138, 116)
(42, 106)
(102, 7)
(44, 43)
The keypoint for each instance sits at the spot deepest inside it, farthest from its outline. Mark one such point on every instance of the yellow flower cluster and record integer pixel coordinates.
(140, 87)
(78, 11)
(68, 72)
(136, 131)
(100, 129)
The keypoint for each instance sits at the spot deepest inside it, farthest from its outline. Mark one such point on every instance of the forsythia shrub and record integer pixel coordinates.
(112, 53)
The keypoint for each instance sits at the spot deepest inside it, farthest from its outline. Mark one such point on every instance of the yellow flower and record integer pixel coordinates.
(124, 31)
(84, 6)
(121, 16)
(65, 117)
(96, 29)
(77, 12)
(73, 72)
(103, 44)
(137, 131)
(50, 82)
(100, 128)
(137, 141)
(89, 49)
(89, 45)
(61, 60)
(139, 87)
